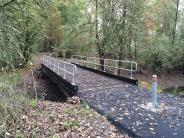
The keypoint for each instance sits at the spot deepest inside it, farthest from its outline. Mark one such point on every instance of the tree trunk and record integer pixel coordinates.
(135, 50)
(26, 47)
(100, 50)
(175, 22)
(122, 40)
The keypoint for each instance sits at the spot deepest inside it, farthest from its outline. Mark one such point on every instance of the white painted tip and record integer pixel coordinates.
(154, 76)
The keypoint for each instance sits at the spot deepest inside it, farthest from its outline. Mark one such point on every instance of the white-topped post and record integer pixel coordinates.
(154, 92)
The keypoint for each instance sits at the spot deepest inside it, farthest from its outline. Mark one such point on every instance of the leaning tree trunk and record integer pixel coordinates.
(175, 22)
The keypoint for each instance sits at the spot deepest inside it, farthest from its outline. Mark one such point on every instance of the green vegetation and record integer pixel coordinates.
(150, 33)
(69, 124)
(177, 91)
(14, 104)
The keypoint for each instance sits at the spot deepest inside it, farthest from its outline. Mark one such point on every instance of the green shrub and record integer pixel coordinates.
(160, 56)
(13, 104)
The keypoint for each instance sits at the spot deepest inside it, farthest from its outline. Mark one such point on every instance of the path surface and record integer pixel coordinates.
(123, 104)
(128, 106)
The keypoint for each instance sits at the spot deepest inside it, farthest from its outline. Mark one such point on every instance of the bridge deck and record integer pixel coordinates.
(127, 106)
(121, 103)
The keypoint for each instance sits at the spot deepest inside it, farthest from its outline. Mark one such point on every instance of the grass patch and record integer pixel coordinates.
(148, 86)
(14, 104)
(176, 91)
(70, 124)
(69, 112)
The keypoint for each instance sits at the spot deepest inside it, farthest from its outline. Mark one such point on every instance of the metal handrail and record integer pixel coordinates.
(60, 65)
(84, 59)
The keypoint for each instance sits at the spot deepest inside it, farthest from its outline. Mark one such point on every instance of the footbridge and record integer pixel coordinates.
(118, 97)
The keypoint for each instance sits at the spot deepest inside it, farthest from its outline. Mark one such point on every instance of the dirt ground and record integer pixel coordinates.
(164, 81)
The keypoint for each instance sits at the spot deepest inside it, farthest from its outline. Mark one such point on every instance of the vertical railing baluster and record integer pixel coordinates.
(49, 63)
(58, 67)
(73, 76)
(43, 60)
(116, 67)
(55, 66)
(131, 70)
(104, 65)
(64, 68)
(95, 63)
(81, 61)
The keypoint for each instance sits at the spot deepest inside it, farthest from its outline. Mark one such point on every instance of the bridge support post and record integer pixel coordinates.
(154, 92)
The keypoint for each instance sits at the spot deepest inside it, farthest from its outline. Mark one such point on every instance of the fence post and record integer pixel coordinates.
(154, 92)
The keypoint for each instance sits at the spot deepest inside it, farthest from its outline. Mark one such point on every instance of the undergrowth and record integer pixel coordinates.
(14, 103)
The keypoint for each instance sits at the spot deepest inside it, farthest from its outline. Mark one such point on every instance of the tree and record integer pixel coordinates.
(175, 21)
(23, 21)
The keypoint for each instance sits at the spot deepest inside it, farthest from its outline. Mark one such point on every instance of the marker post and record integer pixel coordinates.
(154, 92)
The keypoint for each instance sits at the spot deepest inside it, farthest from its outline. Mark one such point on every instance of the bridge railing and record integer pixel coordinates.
(62, 68)
(108, 64)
